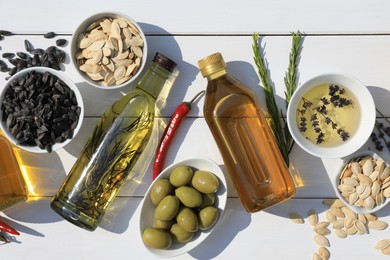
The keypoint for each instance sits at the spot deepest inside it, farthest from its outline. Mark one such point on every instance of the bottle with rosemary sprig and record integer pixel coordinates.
(112, 150)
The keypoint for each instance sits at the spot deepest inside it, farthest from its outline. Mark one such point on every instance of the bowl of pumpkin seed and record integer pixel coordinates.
(41, 110)
(363, 182)
(109, 50)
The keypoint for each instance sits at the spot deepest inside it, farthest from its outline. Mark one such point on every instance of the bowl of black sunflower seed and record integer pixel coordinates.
(41, 110)
(331, 115)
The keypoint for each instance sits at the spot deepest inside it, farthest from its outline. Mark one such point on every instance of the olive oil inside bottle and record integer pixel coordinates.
(246, 143)
(12, 185)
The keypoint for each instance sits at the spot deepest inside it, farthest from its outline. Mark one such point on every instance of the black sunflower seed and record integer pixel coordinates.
(49, 35)
(12, 71)
(28, 46)
(5, 33)
(8, 55)
(22, 55)
(51, 49)
(61, 42)
(37, 51)
(13, 62)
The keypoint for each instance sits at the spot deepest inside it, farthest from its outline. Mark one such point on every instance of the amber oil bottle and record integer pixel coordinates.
(246, 142)
(13, 189)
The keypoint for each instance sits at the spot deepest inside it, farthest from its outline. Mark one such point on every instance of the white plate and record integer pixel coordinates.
(147, 210)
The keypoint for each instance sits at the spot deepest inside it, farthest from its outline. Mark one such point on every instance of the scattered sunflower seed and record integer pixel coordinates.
(52, 57)
(49, 35)
(61, 42)
(5, 33)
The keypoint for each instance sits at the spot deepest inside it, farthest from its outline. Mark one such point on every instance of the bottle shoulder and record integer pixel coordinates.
(227, 85)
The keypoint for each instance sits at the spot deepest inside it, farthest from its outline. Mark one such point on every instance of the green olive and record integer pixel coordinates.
(160, 189)
(208, 217)
(167, 209)
(180, 235)
(158, 223)
(207, 200)
(181, 175)
(189, 196)
(205, 182)
(187, 220)
(157, 238)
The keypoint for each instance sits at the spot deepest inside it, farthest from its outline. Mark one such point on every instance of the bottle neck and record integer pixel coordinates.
(216, 75)
(154, 79)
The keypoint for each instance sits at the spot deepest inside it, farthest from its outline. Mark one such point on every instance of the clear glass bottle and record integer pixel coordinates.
(112, 150)
(13, 189)
(246, 143)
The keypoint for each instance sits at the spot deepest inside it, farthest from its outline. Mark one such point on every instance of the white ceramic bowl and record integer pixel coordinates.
(365, 125)
(336, 181)
(82, 29)
(147, 210)
(68, 82)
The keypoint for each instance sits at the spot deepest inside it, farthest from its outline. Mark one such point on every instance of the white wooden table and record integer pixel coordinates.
(350, 37)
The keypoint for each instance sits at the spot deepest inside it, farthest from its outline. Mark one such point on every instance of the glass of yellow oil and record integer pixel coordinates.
(331, 115)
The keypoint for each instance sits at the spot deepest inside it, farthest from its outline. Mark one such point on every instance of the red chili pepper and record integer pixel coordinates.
(166, 139)
(6, 228)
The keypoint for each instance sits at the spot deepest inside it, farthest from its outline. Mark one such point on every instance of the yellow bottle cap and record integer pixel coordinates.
(211, 64)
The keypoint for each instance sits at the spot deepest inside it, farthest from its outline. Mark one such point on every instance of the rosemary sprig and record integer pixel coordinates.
(272, 108)
(291, 76)
(291, 80)
(278, 126)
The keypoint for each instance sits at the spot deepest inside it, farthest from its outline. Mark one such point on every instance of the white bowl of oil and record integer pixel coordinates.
(331, 115)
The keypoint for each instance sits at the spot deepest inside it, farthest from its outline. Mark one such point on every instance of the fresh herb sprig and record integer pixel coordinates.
(277, 124)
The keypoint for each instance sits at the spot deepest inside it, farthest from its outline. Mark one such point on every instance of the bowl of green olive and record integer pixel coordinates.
(182, 206)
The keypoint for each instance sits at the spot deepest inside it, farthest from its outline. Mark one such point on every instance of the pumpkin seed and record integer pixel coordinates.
(296, 217)
(313, 217)
(384, 243)
(324, 253)
(378, 225)
(321, 241)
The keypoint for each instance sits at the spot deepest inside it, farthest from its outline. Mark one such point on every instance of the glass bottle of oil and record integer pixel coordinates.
(112, 150)
(246, 143)
(13, 188)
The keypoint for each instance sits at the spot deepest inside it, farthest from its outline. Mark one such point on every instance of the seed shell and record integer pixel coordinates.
(313, 217)
(384, 243)
(341, 233)
(324, 253)
(321, 241)
(316, 256)
(322, 231)
(378, 225)
(296, 217)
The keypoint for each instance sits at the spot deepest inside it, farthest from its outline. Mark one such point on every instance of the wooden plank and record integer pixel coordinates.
(359, 56)
(239, 234)
(201, 17)
(46, 172)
